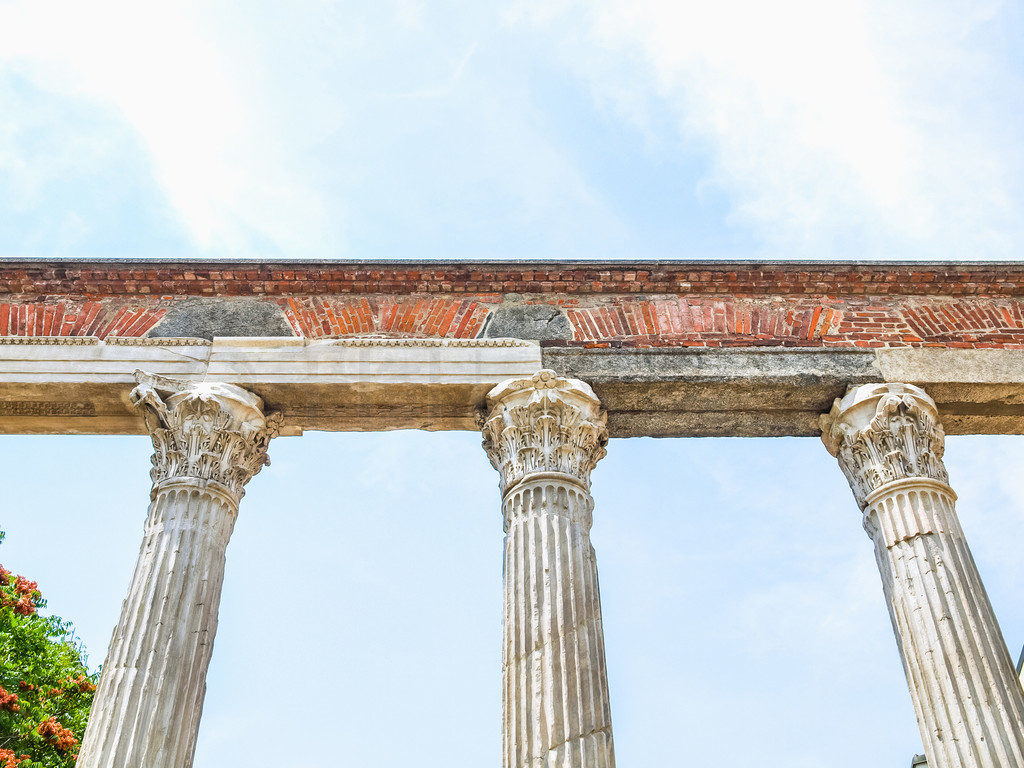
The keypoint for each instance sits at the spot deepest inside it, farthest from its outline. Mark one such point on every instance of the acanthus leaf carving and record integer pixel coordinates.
(205, 431)
(882, 433)
(544, 424)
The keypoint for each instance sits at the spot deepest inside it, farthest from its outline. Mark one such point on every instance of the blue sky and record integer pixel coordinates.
(361, 616)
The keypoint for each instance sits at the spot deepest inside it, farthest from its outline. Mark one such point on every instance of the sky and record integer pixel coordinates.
(361, 614)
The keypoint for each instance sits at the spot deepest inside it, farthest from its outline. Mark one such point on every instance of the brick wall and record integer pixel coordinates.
(158, 278)
(657, 304)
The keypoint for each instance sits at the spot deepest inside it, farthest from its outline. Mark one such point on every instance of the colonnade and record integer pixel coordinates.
(544, 435)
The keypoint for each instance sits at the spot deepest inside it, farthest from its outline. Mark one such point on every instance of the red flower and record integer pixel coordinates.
(8, 701)
(56, 734)
(25, 587)
(82, 683)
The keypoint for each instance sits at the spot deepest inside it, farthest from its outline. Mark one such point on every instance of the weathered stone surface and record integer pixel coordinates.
(544, 435)
(799, 366)
(535, 322)
(968, 700)
(209, 439)
(206, 318)
(778, 391)
(81, 385)
(701, 392)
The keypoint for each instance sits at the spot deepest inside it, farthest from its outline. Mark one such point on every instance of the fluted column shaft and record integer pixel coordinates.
(208, 441)
(968, 701)
(544, 435)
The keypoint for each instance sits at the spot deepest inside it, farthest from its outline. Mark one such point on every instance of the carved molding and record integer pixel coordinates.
(205, 432)
(351, 341)
(64, 341)
(544, 424)
(145, 341)
(383, 341)
(882, 433)
(46, 408)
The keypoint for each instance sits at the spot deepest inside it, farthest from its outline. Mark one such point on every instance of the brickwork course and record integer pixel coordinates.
(598, 304)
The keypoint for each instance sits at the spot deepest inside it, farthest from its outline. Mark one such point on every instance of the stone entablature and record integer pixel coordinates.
(81, 385)
(655, 304)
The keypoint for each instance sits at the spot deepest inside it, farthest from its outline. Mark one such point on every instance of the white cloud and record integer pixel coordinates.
(323, 132)
(838, 129)
(861, 129)
(158, 65)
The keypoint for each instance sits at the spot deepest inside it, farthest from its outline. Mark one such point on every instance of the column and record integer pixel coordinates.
(208, 440)
(968, 701)
(544, 435)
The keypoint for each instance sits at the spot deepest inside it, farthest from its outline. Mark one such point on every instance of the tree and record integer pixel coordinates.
(45, 686)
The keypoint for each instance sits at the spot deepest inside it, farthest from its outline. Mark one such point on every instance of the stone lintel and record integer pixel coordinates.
(81, 386)
(778, 391)
(354, 384)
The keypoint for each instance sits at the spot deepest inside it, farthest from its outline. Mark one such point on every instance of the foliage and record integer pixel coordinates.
(45, 687)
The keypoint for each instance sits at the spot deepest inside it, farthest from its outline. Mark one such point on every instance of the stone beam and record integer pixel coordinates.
(80, 385)
(776, 391)
(83, 387)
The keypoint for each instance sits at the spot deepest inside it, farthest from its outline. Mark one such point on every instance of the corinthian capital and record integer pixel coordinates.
(205, 432)
(883, 433)
(544, 424)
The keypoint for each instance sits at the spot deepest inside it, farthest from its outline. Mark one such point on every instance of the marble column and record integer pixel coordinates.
(544, 435)
(968, 701)
(208, 440)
